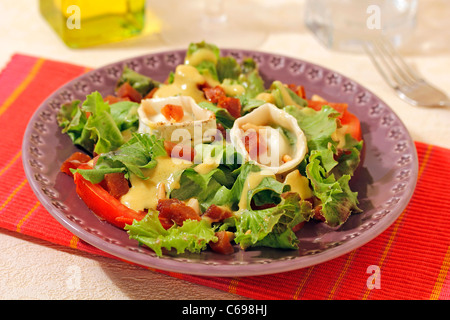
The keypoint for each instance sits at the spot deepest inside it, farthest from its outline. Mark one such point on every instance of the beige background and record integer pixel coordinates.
(35, 269)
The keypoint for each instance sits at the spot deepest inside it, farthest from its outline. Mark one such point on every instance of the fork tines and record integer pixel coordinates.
(390, 64)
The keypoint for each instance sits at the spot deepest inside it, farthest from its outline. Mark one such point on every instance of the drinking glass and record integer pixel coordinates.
(210, 22)
(344, 24)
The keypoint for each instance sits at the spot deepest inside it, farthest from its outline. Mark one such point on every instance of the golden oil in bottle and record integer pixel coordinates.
(84, 23)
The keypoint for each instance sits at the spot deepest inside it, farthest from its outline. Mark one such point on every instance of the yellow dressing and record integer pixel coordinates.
(200, 55)
(299, 184)
(143, 193)
(252, 181)
(185, 83)
(287, 100)
(206, 167)
(231, 88)
(265, 96)
(339, 135)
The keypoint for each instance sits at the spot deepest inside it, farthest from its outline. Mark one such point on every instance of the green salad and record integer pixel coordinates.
(212, 157)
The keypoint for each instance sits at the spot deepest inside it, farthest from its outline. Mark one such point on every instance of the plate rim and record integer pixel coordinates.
(170, 264)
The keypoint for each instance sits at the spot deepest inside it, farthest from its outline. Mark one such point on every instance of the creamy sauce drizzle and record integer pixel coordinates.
(252, 181)
(200, 55)
(299, 184)
(143, 193)
(185, 83)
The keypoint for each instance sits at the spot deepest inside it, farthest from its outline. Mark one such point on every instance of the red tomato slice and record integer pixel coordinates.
(299, 90)
(339, 107)
(347, 118)
(103, 204)
(353, 125)
(76, 160)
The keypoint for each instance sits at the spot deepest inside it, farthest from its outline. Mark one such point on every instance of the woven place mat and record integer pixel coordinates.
(412, 255)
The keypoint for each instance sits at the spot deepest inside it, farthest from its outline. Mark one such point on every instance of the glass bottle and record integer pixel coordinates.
(84, 23)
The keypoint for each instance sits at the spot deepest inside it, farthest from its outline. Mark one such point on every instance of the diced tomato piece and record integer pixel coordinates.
(204, 85)
(216, 214)
(223, 244)
(353, 125)
(299, 90)
(233, 105)
(74, 161)
(218, 96)
(339, 107)
(127, 91)
(162, 206)
(318, 215)
(113, 99)
(103, 204)
(175, 211)
(221, 132)
(175, 150)
(151, 93)
(173, 112)
(214, 94)
(250, 141)
(255, 144)
(115, 184)
(298, 226)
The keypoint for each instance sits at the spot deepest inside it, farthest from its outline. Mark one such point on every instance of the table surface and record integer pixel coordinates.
(24, 31)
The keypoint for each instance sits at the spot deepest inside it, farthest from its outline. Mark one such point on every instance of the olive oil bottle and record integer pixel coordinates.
(84, 23)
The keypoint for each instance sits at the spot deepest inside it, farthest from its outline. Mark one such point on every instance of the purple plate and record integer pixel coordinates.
(385, 182)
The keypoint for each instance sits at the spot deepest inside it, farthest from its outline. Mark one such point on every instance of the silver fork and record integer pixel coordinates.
(408, 84)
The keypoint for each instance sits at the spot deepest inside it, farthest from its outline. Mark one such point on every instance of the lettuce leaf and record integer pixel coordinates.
(220, 152)
(268, 191)
(272, 227)
(318, 126)
(72, 119)
(248, 105)
(102, 131)
(225, 161)
(328, 169)
(203, 187)
(222, 115)
(140, 152)
(125, 115)
(284, 96)
(325, 157)
(100, 127)
(140, 82)
(195, 46)
(227, 68)
(350, 157)
(192, 236)
(337, 199)
(250, 79)
(223, 186)
(208, 69)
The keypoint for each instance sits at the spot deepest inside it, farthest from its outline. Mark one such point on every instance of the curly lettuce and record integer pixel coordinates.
(273, 227)
(328, 168)
(97, 126)
(140, 152)
(192, 236)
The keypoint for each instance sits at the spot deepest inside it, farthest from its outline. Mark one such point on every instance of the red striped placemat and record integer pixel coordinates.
(411, 258)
